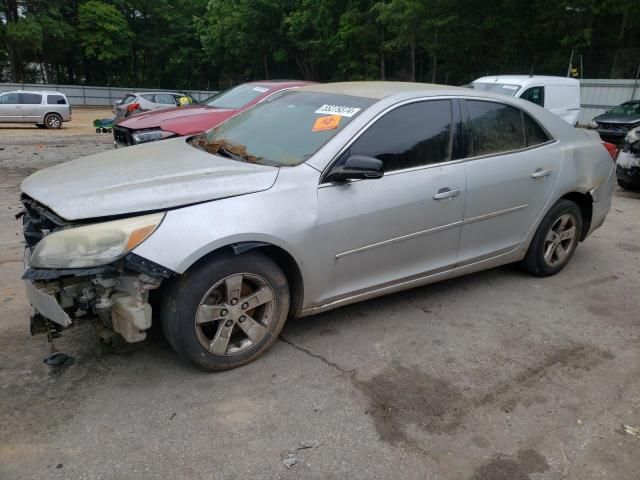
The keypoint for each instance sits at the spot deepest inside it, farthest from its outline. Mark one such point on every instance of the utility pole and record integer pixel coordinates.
(570, 64)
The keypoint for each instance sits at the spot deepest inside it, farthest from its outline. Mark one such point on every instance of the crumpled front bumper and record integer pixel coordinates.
(43, 298)
(45, 303)
(628, 168)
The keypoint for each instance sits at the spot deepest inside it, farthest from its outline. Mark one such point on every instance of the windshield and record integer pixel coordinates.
(501, 88)
(632, 108)
(285, 130)
(236, 97)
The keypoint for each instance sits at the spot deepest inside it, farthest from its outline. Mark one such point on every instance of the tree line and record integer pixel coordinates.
(211, 44)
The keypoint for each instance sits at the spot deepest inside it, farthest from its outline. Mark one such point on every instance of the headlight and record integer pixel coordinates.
(93, 245)
(633, 135)
(145, 136)
(592, 124)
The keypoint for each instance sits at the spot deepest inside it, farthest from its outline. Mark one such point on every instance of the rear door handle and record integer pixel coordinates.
(446, 193)
(539, 173)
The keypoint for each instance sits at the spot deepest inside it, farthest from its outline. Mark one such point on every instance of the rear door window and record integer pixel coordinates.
(409, 136)
(56, 100)
(534, 133)
(30, 98)
(494, 127)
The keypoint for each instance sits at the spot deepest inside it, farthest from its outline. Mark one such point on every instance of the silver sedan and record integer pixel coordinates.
(317, 198)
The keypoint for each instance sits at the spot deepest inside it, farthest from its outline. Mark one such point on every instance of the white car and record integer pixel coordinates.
(559, 95)
(45, 109)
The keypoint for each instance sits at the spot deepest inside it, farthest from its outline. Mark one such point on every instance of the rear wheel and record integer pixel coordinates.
(555, 241)
(226, 312)
(53, 120)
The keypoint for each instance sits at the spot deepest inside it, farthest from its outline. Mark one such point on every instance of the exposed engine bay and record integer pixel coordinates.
(117, 294)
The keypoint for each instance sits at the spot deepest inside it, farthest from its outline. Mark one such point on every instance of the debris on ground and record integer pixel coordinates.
(291, 457)
(634, 432)
(290, 460)
(58, 359)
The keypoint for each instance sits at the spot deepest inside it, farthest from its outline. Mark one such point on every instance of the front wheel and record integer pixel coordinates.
(226, 312)
(555, 241)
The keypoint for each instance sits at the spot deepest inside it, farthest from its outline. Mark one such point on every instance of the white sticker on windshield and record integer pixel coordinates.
(510, 87)
(341, 110)
(260, 89)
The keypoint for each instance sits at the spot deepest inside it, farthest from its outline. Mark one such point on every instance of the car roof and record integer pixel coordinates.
(33, 91)
(378, 90)
(155, 93)
(523, 79)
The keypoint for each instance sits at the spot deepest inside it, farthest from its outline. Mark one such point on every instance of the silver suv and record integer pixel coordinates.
(45, 109)
(134, 103)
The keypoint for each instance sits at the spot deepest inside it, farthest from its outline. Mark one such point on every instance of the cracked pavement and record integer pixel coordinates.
(493, 376)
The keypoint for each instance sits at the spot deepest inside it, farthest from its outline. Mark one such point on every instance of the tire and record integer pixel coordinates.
(624, 184)
(40, 125)
(563, 216)
(52, 120)
(213, 326)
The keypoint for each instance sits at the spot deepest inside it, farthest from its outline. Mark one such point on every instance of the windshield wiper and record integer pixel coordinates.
(225, 152)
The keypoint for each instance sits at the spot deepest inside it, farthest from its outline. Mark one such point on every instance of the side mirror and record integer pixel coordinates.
(357, 167)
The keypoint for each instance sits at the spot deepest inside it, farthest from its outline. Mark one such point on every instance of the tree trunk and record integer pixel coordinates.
(266, 66)
(383, 72)
(413, 60)
(434, 65)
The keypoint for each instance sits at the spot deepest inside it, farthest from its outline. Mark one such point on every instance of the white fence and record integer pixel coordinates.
(95, 96)
(597, 96)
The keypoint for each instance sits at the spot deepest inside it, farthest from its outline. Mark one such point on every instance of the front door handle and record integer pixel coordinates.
(446, 193)
(539, 173)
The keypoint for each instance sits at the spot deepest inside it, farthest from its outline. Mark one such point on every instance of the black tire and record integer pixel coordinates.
(534, 261)
(624, 184)
(182, 299)
(40, 125)
(52, 120)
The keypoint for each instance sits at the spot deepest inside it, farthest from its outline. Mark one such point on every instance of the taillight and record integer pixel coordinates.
(612, 149)
(132, 107)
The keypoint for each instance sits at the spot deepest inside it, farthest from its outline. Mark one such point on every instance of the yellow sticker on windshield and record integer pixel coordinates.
(326, 123)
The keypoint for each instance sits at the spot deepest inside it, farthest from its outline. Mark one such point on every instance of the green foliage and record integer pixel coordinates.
(217, 43)
(103, 31)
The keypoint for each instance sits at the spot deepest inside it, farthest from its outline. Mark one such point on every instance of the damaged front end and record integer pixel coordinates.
(80, 270)
(628, 162)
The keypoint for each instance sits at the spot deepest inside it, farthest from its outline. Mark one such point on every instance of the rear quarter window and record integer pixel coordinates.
(56, 100)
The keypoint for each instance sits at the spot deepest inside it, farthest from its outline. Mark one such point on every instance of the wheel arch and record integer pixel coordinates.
(52, 112)
(279, 255)
(585, 203)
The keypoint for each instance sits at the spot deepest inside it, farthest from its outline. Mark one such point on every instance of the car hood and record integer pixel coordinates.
(180, 120)
(617, 118)
(148, 177)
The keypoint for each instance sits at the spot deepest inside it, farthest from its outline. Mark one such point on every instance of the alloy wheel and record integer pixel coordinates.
(235, 314)
(561, 240)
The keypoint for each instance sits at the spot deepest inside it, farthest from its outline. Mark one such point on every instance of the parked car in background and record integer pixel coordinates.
(614, 125)
(559, 95)
(628, 164)
(195, 119)
(45, 109)
(319, 197)
(136, 103)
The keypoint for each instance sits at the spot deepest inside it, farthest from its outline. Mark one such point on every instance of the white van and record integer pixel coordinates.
(560, 95)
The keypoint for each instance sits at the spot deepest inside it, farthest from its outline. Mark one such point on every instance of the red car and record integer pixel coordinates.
(194, 119)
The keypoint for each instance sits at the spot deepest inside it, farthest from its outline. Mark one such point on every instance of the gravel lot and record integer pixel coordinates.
(494, 376)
